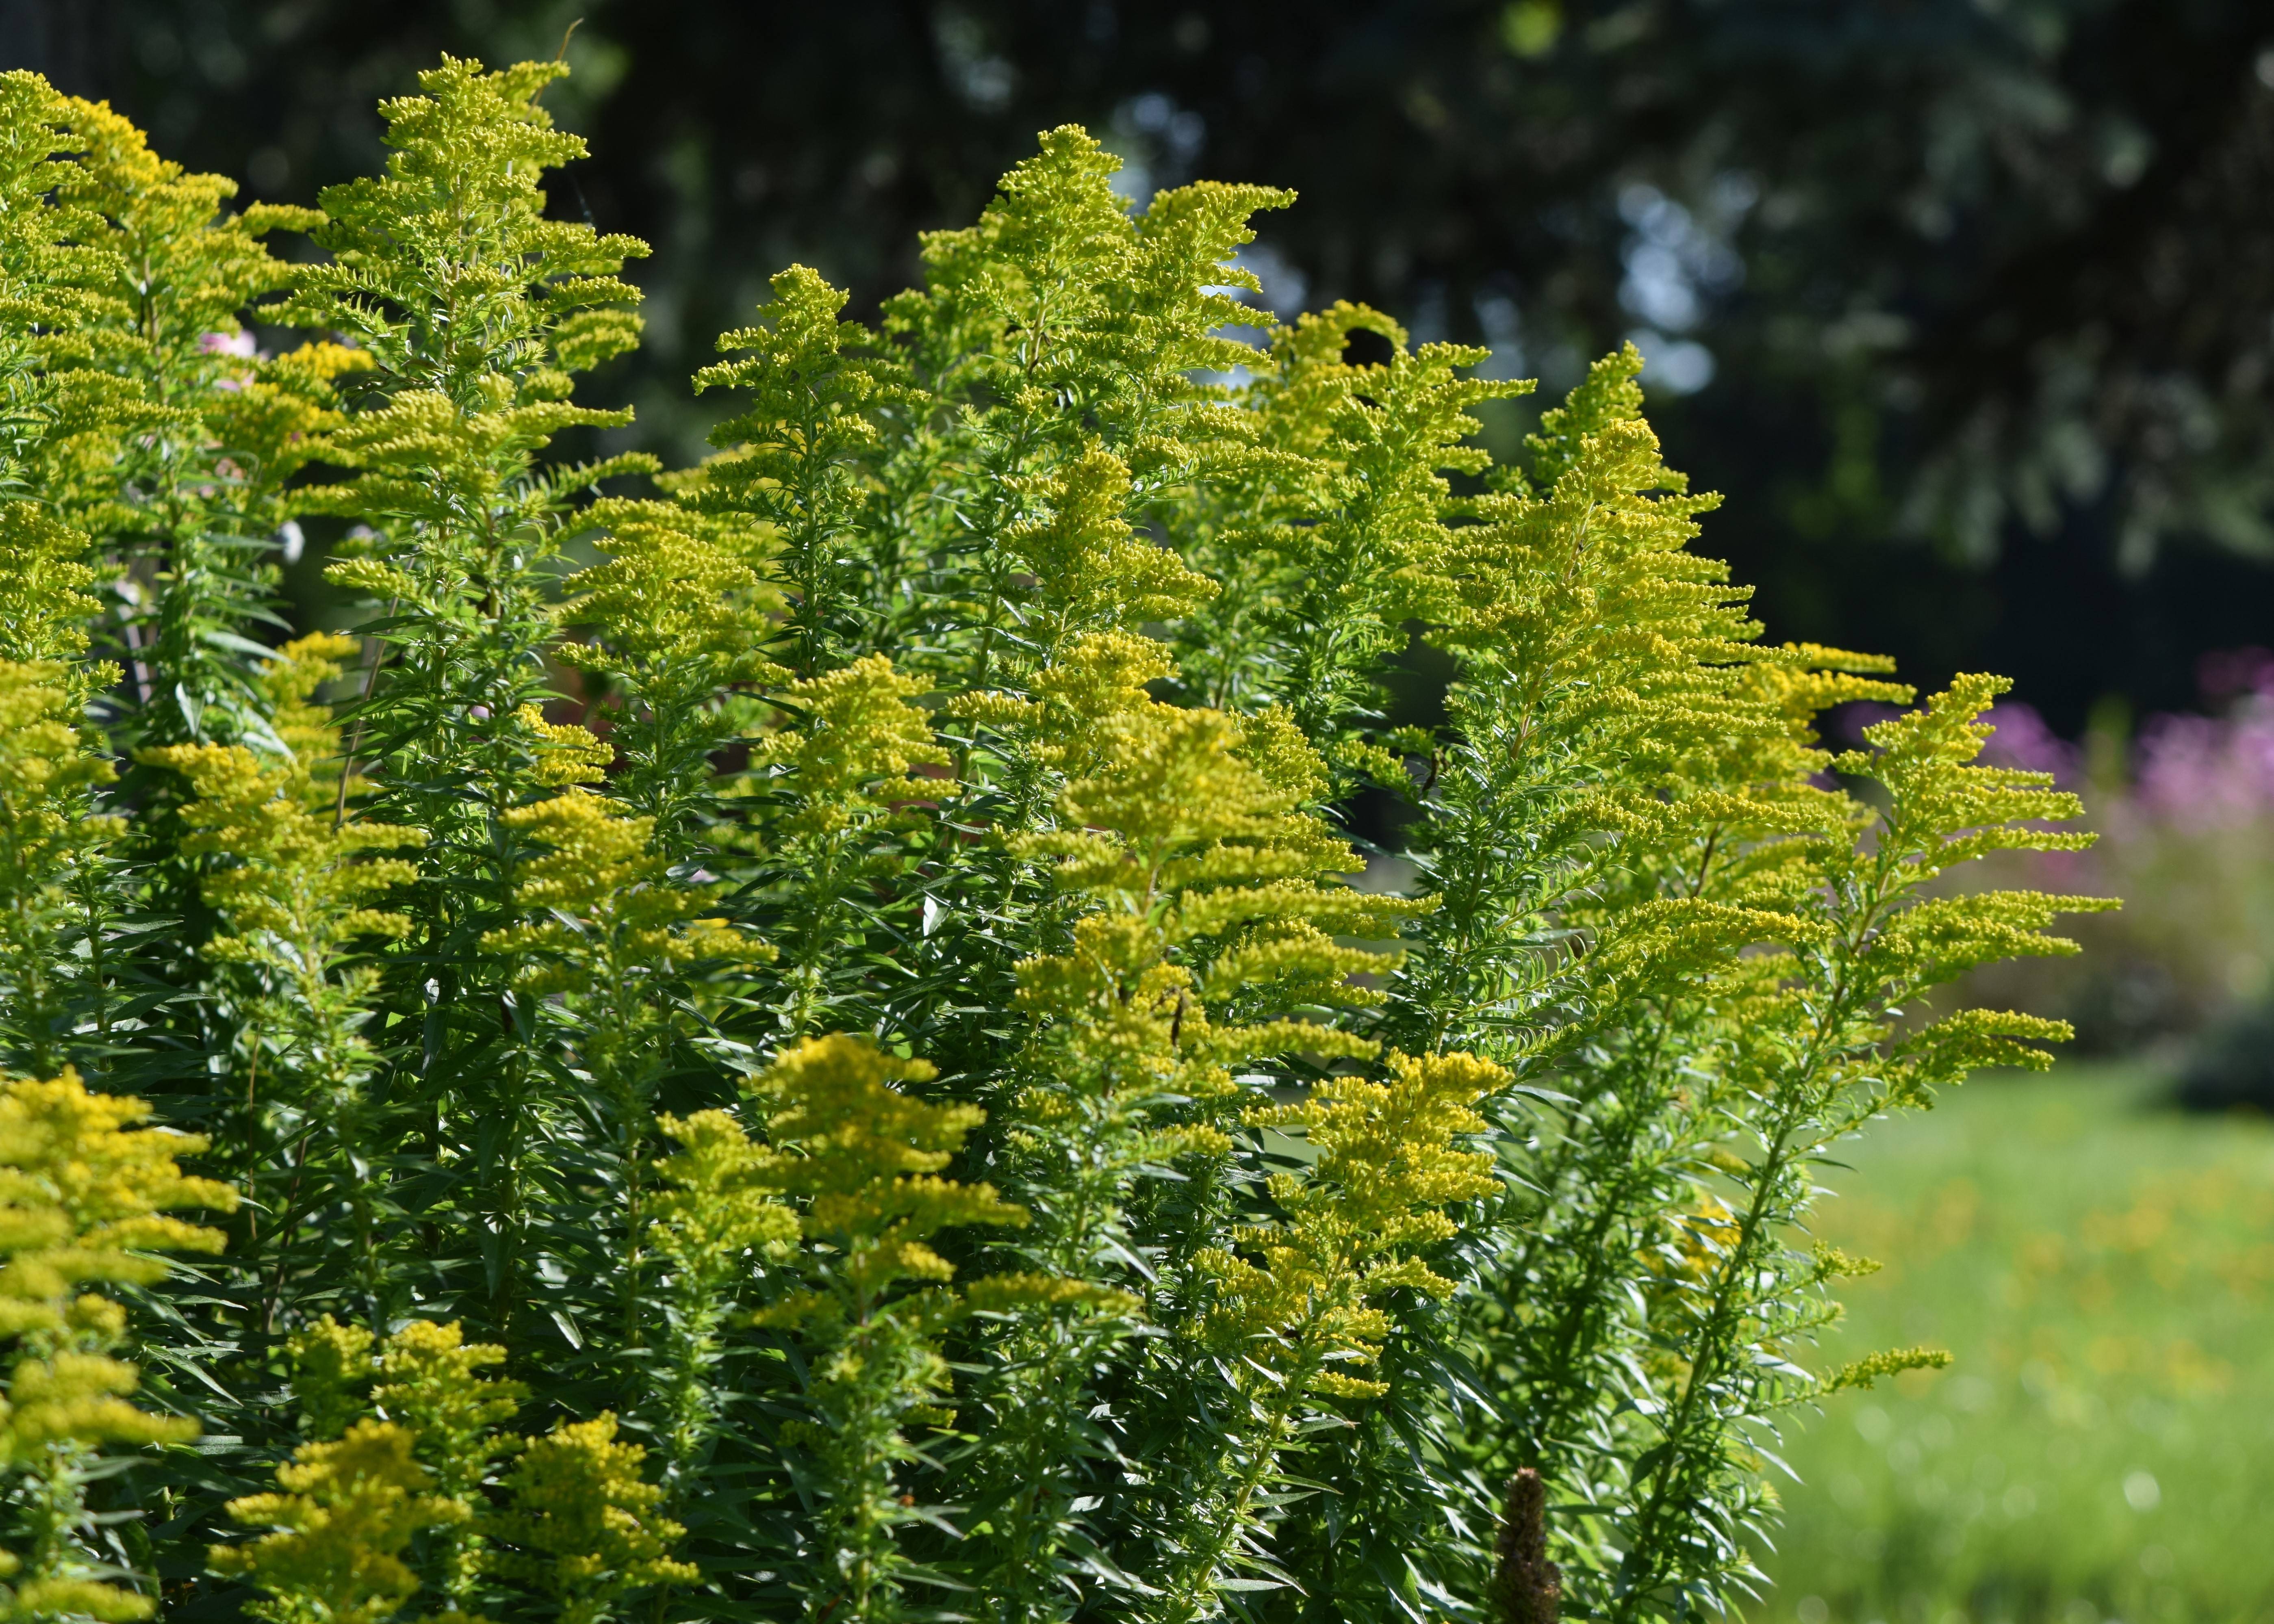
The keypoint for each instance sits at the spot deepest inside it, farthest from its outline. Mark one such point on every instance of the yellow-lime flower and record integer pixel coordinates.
(581, 1524)
(347, 1511)
(83, 1202)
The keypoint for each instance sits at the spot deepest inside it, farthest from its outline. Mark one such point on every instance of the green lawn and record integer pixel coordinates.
(2104, 1446)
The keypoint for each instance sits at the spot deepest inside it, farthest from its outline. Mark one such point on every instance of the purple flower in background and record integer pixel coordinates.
(2023, 740)
(2185, 837)
(2223, 673)
(2201, 771)
(2204, 770)
(1845, 726)
(2189, 772)
(237, 343)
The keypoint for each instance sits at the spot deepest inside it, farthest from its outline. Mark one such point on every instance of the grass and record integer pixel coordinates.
(2103, 1448)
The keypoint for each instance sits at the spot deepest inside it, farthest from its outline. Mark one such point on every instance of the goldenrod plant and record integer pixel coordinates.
(1300, 1323)
(867, 1296)
(289, 884)
(61, 419)
(190, 495)
(54, 976)
(84, 1202)
(815, 1035)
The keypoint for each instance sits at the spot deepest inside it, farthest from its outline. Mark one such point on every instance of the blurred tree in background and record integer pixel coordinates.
(1968, 304)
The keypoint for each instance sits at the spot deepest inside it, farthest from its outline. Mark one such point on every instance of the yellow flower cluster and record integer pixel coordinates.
(65, 419)
(274, 417)
(1060, 294)
(609, 908)
(846, 758)
(461, 189)
(1331, 537)
(1091, 571)
(1387, 1166)
(83, 1202)
(43, 605)
(1209, 894)
(426, 453)
(292, 879)
(182, 441)
(1308, 1303)
(562, 753)
(429, 1379)
(715, 1221)
(583, 1527)
(814, 384)
(347, 1511)
(578, 1523)
(679, 598)
(180, 270)
(46, 772)
(82, 1196)
(861, 1158)
(721, 1211)
(426, 1383)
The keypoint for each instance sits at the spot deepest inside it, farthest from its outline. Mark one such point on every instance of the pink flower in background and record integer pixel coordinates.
(2023, 740)
(2185, 830)
(2223, 673)
(2196, 771)
(237, 343)
(2202, 770)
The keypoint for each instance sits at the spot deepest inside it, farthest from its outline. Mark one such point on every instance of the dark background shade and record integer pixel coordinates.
(1968, 307)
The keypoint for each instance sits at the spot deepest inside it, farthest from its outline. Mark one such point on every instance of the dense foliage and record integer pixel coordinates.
(805, 1041)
